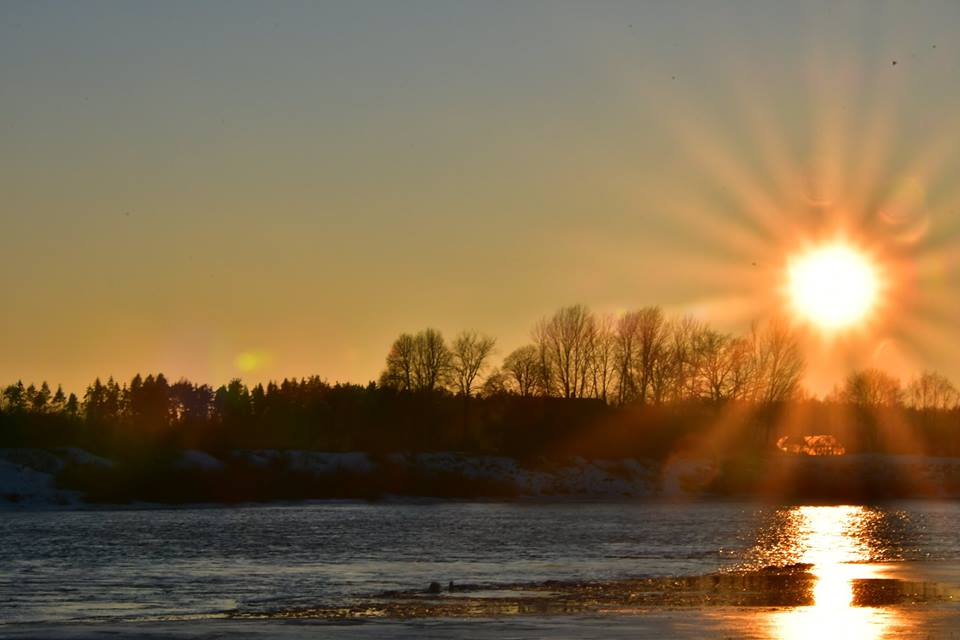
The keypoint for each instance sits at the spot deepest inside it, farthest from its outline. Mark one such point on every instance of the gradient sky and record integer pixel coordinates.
(219, 189)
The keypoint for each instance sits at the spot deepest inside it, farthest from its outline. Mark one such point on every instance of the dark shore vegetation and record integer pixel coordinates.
(636, 386)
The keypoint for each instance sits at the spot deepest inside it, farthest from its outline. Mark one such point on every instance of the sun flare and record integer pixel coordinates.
(833, 286)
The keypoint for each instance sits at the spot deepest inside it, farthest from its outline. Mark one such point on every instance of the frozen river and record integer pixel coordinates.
(521, 569)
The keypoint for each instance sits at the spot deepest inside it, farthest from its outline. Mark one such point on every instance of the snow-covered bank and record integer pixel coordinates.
(46, 478)
(28, 477)
(575, 477)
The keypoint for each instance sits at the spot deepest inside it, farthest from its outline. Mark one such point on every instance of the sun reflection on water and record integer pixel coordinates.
(835, 541)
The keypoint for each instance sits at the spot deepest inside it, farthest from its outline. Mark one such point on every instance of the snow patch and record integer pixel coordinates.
(315, 462)
(685, 476)
(76, 456)
(198, 460)
(576, 477)
(22, 486)
(36, 459)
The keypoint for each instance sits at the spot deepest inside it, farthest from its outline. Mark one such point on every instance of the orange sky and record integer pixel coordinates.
(278, 190)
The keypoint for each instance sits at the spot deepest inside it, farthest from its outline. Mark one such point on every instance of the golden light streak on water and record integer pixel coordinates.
(833, 540)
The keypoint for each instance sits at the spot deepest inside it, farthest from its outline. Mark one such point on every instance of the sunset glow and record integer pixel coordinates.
(493, 319)
(833, 286)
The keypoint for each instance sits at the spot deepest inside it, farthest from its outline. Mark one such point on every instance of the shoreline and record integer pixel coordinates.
(426, 501)
(34, 479)
(911, 622)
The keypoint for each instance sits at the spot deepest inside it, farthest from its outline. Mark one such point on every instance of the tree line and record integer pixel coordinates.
(645, 357)
(929, 391)
(638, 356)
(653, 379)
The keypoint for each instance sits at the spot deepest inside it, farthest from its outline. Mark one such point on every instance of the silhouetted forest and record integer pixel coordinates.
(638, 385)
(657, 380)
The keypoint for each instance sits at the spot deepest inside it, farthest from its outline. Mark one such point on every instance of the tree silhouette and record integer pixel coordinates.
(931, 391)
(72, 407)
(469, 356)
(15, 397)
(651, 364)
(602, 355)
(59, 401)
(565, 342)
(636, 384)
(431, 362)
(779, 362)
(418, 362)
(400, 364)
(523, 370)
(872, 388)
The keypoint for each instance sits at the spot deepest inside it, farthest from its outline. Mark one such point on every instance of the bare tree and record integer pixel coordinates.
(716, 363)
(431, 360)
(931, 391)
(684, 350)
(495, 384)
(663, 371)
(872, 388)
(469, 356)
(652, 367)
(418, 362)
(626, 355)
(565, 343)
(603, 367)
(523, 367)
(674, 375)
(779, 363)
(741, 377)
(400, 363)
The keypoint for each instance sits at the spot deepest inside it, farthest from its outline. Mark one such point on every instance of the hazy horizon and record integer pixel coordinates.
(236, 189)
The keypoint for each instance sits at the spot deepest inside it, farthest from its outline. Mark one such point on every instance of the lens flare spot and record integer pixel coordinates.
(905, 202)
(249, 361)
(832, 286)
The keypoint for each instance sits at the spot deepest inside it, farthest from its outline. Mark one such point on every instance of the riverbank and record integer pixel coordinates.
(31, 478)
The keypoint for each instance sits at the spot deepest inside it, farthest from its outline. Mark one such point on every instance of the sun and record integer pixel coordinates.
(832, 286)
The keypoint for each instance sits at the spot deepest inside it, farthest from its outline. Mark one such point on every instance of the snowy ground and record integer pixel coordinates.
(28, 476)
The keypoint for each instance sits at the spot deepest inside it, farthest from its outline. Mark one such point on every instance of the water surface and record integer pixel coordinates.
(793, 571)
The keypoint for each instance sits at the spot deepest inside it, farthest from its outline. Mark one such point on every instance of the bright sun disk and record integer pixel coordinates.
(832, 286)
